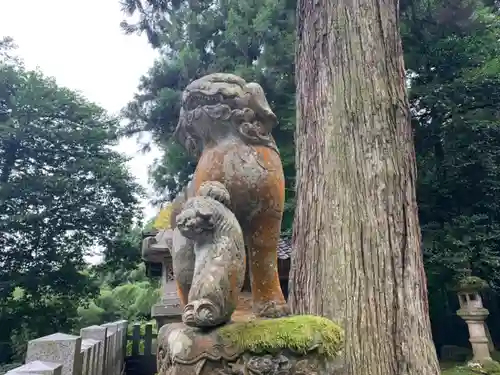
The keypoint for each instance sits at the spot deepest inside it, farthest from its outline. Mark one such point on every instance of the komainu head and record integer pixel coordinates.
(202, 213)
(218, 106)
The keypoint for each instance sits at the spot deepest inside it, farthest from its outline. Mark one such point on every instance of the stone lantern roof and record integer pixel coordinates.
(155, 250)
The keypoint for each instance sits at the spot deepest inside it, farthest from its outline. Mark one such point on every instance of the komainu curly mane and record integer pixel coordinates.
(232, 107)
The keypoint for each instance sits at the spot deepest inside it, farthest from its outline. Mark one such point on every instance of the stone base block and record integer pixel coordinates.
(164, 314)
(296, 345)
(163, 320)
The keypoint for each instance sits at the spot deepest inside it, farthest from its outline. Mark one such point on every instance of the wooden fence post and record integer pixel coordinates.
(136, 338)
(148, 339)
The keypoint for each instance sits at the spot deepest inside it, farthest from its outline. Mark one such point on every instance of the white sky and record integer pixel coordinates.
(80, 43)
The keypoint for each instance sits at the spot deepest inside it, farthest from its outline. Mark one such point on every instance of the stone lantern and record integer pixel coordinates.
(156, 253)
(474, 314)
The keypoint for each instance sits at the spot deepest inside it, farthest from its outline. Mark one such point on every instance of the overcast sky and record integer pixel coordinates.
(80, 43)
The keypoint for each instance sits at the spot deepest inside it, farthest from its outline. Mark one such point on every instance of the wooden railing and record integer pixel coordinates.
(141, 350)
(99, 350)
(139, 343)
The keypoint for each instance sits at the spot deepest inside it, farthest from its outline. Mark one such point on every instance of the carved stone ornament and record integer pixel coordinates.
(184, 350)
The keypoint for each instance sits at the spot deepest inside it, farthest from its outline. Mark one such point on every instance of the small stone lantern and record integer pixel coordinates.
(156, 251)
(474, 314)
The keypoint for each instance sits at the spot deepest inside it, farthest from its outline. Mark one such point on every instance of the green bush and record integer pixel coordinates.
(131, 301)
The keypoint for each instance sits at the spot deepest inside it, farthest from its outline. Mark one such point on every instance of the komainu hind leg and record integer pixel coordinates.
(261, 237)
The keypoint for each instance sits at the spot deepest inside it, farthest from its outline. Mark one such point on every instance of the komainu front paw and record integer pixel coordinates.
(202, 313)
(272, 309)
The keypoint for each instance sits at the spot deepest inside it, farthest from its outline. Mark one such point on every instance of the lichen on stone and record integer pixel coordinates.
(301, 334)
(162, 220)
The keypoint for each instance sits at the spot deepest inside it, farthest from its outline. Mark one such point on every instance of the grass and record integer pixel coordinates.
(459, 370)
(301, 334)
(491, 368)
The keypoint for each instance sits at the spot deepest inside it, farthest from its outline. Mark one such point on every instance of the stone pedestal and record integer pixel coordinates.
(477, 333)
(474, 314)
(165, 314)
(168, 308)
(297, 345)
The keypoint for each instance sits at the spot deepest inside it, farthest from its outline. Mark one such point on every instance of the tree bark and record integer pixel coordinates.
(357, 256)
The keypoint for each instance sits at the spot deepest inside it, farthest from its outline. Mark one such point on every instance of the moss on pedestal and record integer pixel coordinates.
(301, 334)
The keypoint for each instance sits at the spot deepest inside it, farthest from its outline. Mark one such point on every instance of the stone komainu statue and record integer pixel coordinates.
(226, 123)
(219, 250)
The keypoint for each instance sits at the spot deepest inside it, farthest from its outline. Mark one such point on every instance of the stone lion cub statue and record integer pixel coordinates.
(219, 253)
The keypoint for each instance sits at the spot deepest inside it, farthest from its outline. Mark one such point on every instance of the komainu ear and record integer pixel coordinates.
(216, 191)
(258, 103)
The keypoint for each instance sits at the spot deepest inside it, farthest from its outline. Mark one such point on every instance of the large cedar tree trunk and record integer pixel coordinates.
(356, 233)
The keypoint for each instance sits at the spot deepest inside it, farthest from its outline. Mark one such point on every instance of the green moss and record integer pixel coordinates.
(461, 370)
(491, 367)
(301, 333)
(471, 284)
(488, 368)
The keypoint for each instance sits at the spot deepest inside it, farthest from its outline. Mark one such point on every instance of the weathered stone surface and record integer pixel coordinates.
(57, 348)
(37, 367)
(302, 345)
(219, 256)
(227, 123)
(158, 249)
(183, 262)
(472, 311)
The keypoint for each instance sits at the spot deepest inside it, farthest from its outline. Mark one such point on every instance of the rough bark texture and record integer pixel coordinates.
(356, 235)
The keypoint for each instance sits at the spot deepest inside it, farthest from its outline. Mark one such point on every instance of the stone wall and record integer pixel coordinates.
(99, 350)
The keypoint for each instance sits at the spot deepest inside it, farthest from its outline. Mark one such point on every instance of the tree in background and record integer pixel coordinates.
(121, 255)
(452, 51)
(252, 39)
(63, 191)
(360, 243)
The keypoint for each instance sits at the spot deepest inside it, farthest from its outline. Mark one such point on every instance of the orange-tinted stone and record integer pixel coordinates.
(254, 178)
